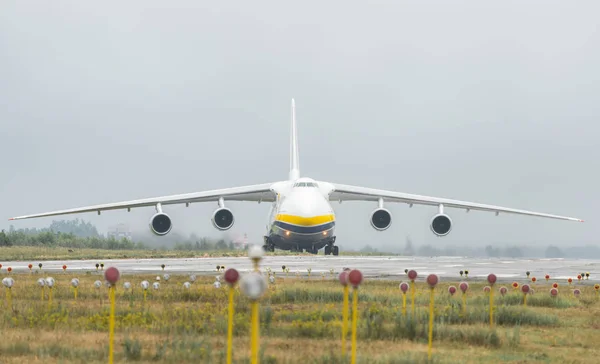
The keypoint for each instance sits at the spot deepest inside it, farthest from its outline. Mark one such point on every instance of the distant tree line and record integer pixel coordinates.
(65, 240)
(80, 234)
(551, 251)
(65, 234)
(76, 227)
(205, 244)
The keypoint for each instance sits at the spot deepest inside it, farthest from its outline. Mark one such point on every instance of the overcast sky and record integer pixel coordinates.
(492, 103)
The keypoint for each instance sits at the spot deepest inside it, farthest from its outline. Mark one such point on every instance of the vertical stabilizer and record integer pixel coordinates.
(294, 161)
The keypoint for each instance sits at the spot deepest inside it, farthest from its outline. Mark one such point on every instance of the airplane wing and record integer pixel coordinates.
(258, 193)
(354, 193)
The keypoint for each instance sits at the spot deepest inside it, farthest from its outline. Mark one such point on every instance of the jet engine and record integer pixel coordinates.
(222, 218)
(381, 219)
(441, 224)
(160, 224)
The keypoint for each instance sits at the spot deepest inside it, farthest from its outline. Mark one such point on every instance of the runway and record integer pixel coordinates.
(392, 267)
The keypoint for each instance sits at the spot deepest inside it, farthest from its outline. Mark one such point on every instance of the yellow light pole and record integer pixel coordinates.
(464, 287)
(8, 282)
(491, 278)
(343, 277)
(432, 281)
(355, 278)
(231, 277)
(254, 286)
(50, 284)
(112, 277)
(75, 284)
(404, 287)
(42, 283)
(145, 285)
(525, 289)
(452, 290)
(503, 291)
(412, 275)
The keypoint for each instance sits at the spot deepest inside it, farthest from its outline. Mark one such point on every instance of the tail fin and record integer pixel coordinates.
(294, 161)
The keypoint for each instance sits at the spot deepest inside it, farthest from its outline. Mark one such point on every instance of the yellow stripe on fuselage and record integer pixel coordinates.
(305, 221)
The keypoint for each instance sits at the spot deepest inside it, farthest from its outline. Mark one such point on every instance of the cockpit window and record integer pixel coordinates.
(305, 184)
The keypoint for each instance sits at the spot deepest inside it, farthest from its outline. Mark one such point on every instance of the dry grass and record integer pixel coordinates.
(300, 323)
(42, 253)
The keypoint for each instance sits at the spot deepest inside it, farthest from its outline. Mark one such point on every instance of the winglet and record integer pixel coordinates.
(12, 218)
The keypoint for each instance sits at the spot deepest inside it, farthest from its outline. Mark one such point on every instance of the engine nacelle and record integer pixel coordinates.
(160, 224)
(441, 224)
(222, 218)
(381, 219)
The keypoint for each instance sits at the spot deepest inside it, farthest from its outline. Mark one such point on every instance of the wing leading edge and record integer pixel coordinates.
(353, 193)
(257, 193)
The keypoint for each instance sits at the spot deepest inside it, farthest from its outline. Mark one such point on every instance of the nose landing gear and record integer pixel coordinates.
(332, 249)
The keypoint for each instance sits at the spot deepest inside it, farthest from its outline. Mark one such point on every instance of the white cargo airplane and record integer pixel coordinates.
(301, 216)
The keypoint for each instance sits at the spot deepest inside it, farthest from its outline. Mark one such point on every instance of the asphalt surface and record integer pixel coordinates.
(447, 268)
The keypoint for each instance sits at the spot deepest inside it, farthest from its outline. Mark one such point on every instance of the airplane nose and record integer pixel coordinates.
(305, 211)
(305, 204)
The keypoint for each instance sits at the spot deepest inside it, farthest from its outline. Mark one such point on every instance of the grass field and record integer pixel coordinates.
(300, 323)
(39, 253)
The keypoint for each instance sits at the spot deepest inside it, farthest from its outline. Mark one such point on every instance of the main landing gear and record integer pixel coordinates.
(269, 246)
(332, 249)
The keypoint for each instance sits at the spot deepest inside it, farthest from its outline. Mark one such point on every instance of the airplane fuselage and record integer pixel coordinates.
(301, 218)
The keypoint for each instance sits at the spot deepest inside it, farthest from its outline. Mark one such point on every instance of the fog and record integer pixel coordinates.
(491, 103)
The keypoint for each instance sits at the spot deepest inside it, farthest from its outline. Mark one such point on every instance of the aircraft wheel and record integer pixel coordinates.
(336, 250)
(327, 250)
